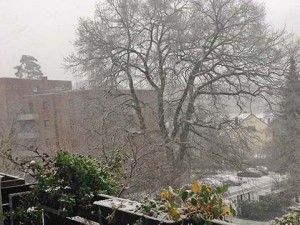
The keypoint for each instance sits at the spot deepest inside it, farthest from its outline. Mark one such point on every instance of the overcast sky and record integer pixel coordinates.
(46, 30)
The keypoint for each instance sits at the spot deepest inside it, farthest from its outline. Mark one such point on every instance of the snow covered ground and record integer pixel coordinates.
(249, 222)
(255, 186)
(245, 188)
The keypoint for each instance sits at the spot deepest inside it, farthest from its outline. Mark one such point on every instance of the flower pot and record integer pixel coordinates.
(118, 211)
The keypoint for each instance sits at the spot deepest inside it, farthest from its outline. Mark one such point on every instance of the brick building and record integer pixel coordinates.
(50, 115)
(19, 116)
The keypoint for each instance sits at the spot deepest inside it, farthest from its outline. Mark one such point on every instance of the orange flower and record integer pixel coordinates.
(208, 190)
(196, 186)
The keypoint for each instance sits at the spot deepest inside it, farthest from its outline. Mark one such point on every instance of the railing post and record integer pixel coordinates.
(43, 217)
(1, 208)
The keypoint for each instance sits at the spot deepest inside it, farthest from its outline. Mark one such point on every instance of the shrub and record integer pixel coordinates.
(291, 218)
(73, 181)
(266, 208)
(253, 209)
(27, 212)
(70, 183)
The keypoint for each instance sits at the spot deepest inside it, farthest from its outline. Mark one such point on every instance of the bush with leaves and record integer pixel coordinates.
(70, 183)
(267, 208)
(27, 212)
(28, 216)
(291, 218)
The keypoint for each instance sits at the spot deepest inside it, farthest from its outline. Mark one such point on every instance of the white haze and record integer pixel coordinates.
(46, 29)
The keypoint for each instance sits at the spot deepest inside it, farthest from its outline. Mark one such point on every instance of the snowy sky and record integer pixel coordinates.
(46, 30)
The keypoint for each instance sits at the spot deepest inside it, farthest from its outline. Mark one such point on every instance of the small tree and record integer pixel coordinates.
(28, 68)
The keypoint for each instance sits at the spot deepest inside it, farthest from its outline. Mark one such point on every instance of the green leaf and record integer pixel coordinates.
(184, 195)
(203, 188)
(218, 190)
(225, 188)
(175, 214)
(194, 202)
(232, 210)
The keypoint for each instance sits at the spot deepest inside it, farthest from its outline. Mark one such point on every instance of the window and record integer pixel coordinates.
(36, 89)
(66, 87)
(46, 123)
(45, 104)
(30, 107)
(251, 129)
(27, 126)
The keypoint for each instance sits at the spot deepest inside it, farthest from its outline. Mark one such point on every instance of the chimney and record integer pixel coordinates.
(44, 78)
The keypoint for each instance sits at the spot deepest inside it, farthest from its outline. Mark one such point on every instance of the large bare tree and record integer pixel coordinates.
(195, 54)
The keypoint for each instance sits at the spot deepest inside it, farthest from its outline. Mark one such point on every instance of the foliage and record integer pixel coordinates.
(286, 127)
(266, 208)
(28, 68)
(27, 212)
(28, 216)
(291, 218)
(70, 183)
(74, 181)
(201, 203)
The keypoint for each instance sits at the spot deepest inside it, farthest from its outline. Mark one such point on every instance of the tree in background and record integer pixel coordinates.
(29, 68)
(107, 125)
(286, 128)
(195, 55)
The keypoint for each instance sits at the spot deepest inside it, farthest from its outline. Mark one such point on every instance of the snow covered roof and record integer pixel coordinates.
(265, 117)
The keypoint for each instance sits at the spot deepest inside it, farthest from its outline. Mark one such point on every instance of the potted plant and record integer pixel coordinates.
(200, 205)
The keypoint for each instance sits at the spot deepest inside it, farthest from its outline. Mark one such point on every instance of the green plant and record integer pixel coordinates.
(73, 182)
(292, 218)
(266, 208)
(70, 182)
(201, 204)
(28, 216)
(253, 209)
(26, 213)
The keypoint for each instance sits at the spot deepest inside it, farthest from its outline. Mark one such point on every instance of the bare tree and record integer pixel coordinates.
(195, 55)
(106, 126)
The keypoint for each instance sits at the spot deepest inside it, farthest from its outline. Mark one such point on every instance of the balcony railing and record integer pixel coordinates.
(29, 135)
(29, 116)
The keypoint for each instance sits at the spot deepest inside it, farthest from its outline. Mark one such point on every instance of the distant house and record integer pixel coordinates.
(256, 130)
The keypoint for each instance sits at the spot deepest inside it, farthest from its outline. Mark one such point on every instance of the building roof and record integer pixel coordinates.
(28, 79)
(264, 117)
